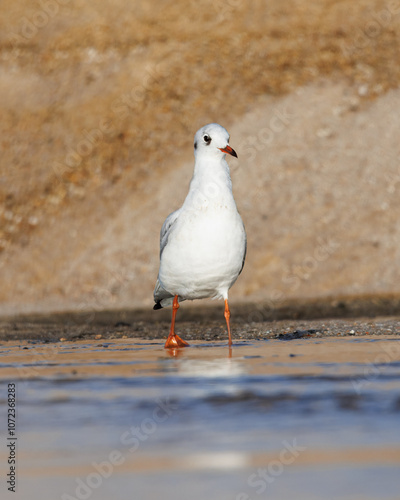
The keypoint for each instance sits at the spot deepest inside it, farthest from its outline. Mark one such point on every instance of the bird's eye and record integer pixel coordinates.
(206, 139)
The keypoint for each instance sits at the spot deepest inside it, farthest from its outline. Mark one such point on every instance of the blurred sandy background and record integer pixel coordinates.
(99, 105)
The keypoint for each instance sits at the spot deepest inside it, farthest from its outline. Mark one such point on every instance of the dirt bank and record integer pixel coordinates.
(99, 107)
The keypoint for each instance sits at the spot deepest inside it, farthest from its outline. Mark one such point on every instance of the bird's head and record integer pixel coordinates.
(212, 140)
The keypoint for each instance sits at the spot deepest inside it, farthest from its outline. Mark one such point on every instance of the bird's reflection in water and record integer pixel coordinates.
(215, 367)
(177, 352)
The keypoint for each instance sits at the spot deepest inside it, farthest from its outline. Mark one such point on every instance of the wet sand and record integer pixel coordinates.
(311, 418)
(305, 404)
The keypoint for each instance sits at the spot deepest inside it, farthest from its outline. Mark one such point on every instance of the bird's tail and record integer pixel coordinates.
(162, 298)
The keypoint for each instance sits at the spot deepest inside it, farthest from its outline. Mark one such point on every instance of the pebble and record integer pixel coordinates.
(325, 133)
(363, 90)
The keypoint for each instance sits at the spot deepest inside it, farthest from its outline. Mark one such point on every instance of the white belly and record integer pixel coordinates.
(204, 255)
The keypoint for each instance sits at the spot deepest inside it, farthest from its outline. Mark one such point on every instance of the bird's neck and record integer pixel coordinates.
(209, 171)
(211, 184)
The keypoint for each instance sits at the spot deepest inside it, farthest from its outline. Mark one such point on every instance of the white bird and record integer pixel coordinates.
(203, 243)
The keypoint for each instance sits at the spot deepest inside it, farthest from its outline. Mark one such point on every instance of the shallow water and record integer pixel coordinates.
(305, 419)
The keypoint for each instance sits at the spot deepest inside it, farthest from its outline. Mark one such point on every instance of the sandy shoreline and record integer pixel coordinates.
(323, 318)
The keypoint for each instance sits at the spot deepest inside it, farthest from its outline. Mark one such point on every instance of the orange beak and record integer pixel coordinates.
(229, 150)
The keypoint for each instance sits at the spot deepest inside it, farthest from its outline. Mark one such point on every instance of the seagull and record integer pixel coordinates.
(203, 243)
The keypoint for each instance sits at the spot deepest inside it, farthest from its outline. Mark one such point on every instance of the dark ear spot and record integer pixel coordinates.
(195, 144)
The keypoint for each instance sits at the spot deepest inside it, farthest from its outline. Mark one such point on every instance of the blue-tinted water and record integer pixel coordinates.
(268, 419)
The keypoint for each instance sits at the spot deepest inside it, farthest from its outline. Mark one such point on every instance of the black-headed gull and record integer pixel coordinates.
(203, 243)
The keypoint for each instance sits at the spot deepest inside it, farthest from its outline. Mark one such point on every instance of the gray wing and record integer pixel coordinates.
(245, 251)
(163, 298)
(166, 229)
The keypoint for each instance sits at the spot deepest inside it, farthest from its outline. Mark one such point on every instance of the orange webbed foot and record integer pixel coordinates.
(174, 341)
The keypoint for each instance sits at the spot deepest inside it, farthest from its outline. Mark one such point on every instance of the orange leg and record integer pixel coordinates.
(173, 339)
(227, 315)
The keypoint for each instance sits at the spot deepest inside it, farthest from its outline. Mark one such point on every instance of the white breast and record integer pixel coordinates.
(205, 252)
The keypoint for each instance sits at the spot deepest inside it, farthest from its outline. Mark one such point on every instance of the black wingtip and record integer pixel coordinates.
(157, 305)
